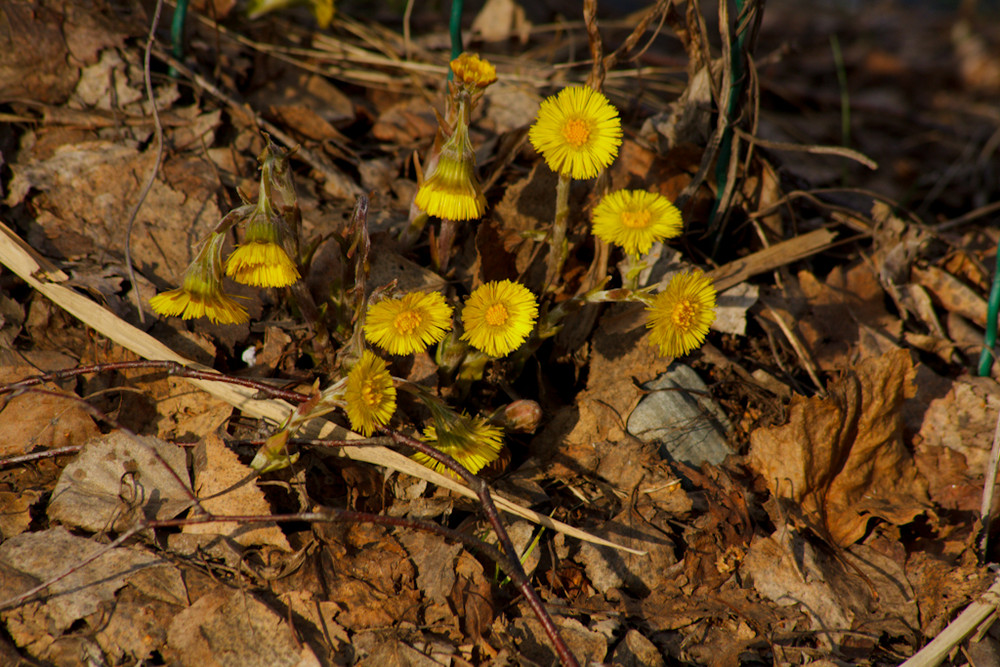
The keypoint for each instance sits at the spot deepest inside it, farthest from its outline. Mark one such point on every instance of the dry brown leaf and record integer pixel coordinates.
(117, 474)
(44, 44)
(471, 597)
(217, 468)
(842, 459)
(41, 420)
(608, 570)
(953, 295)
(15, 511)
(622, 359)
(840, 309)
(231, 628)
(84, 192)
(372, 592)
(526, 206)
(963, 420)
(589, 646)
(406, 122)
(859, 587)
(501, 20)
(31, 558)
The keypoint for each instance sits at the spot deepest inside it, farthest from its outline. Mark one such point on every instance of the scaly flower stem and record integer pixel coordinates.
(558, 244)
(632, 267)
(446, 238)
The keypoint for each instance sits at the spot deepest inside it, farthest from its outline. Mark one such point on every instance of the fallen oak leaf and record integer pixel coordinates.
(842, 458)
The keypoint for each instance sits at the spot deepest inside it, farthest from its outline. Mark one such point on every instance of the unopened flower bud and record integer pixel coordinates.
(522, 416)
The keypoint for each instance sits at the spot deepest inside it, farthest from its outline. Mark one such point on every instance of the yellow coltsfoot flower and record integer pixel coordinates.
(201, 293)
(262, 264)
(680, 315)
(260, 260)
(498, 317)
(634, 219)
(408, 324)
(369, 394)
(473, 72)
(577, 131)
(472, 441)
(452, 191)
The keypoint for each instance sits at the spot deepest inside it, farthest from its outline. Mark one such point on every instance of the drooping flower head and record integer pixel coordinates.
(498, 316)
(261, 260)
(408, 324)
(680, 315)
(578, 132)
(634, 219)
(452, 190)
(471, 441)
(370, 394)
(201, 293)
(473, 72)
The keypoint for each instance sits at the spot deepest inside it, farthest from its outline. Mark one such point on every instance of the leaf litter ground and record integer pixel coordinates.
(842, 527)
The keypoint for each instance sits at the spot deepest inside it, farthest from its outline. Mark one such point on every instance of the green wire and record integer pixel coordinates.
(990, 340)
(177, 32)
(455, 29)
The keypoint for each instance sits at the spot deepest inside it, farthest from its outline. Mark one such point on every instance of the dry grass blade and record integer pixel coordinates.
(815, 149)
(23, 261)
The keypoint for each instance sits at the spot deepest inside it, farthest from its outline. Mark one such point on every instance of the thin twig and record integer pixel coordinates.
(172, 368)
(841, 151)
(156, 165)
(37, 456)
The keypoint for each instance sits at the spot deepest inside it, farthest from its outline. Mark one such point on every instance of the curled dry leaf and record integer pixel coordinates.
(117, 475)
(842, 458)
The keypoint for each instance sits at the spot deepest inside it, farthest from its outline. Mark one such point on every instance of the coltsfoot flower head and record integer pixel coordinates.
(634, 219)
(452, 191)
(473, 72)
(370, 394)
(472, 441)
(578, 132)
(408, 324)
(498, 317)
(680, 315)
(201, 293)
(260, 260)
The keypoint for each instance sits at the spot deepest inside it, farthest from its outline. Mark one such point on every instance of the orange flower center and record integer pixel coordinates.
(369, 393)
(683, 315)
(576, 132)
(496, 315)
(636, 219)
(407, 322)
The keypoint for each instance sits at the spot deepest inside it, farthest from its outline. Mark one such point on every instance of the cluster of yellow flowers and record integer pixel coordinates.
(260, 261)
(578, 133)
(497, 317)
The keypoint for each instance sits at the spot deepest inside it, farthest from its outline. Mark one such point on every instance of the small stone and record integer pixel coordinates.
(680, 415)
